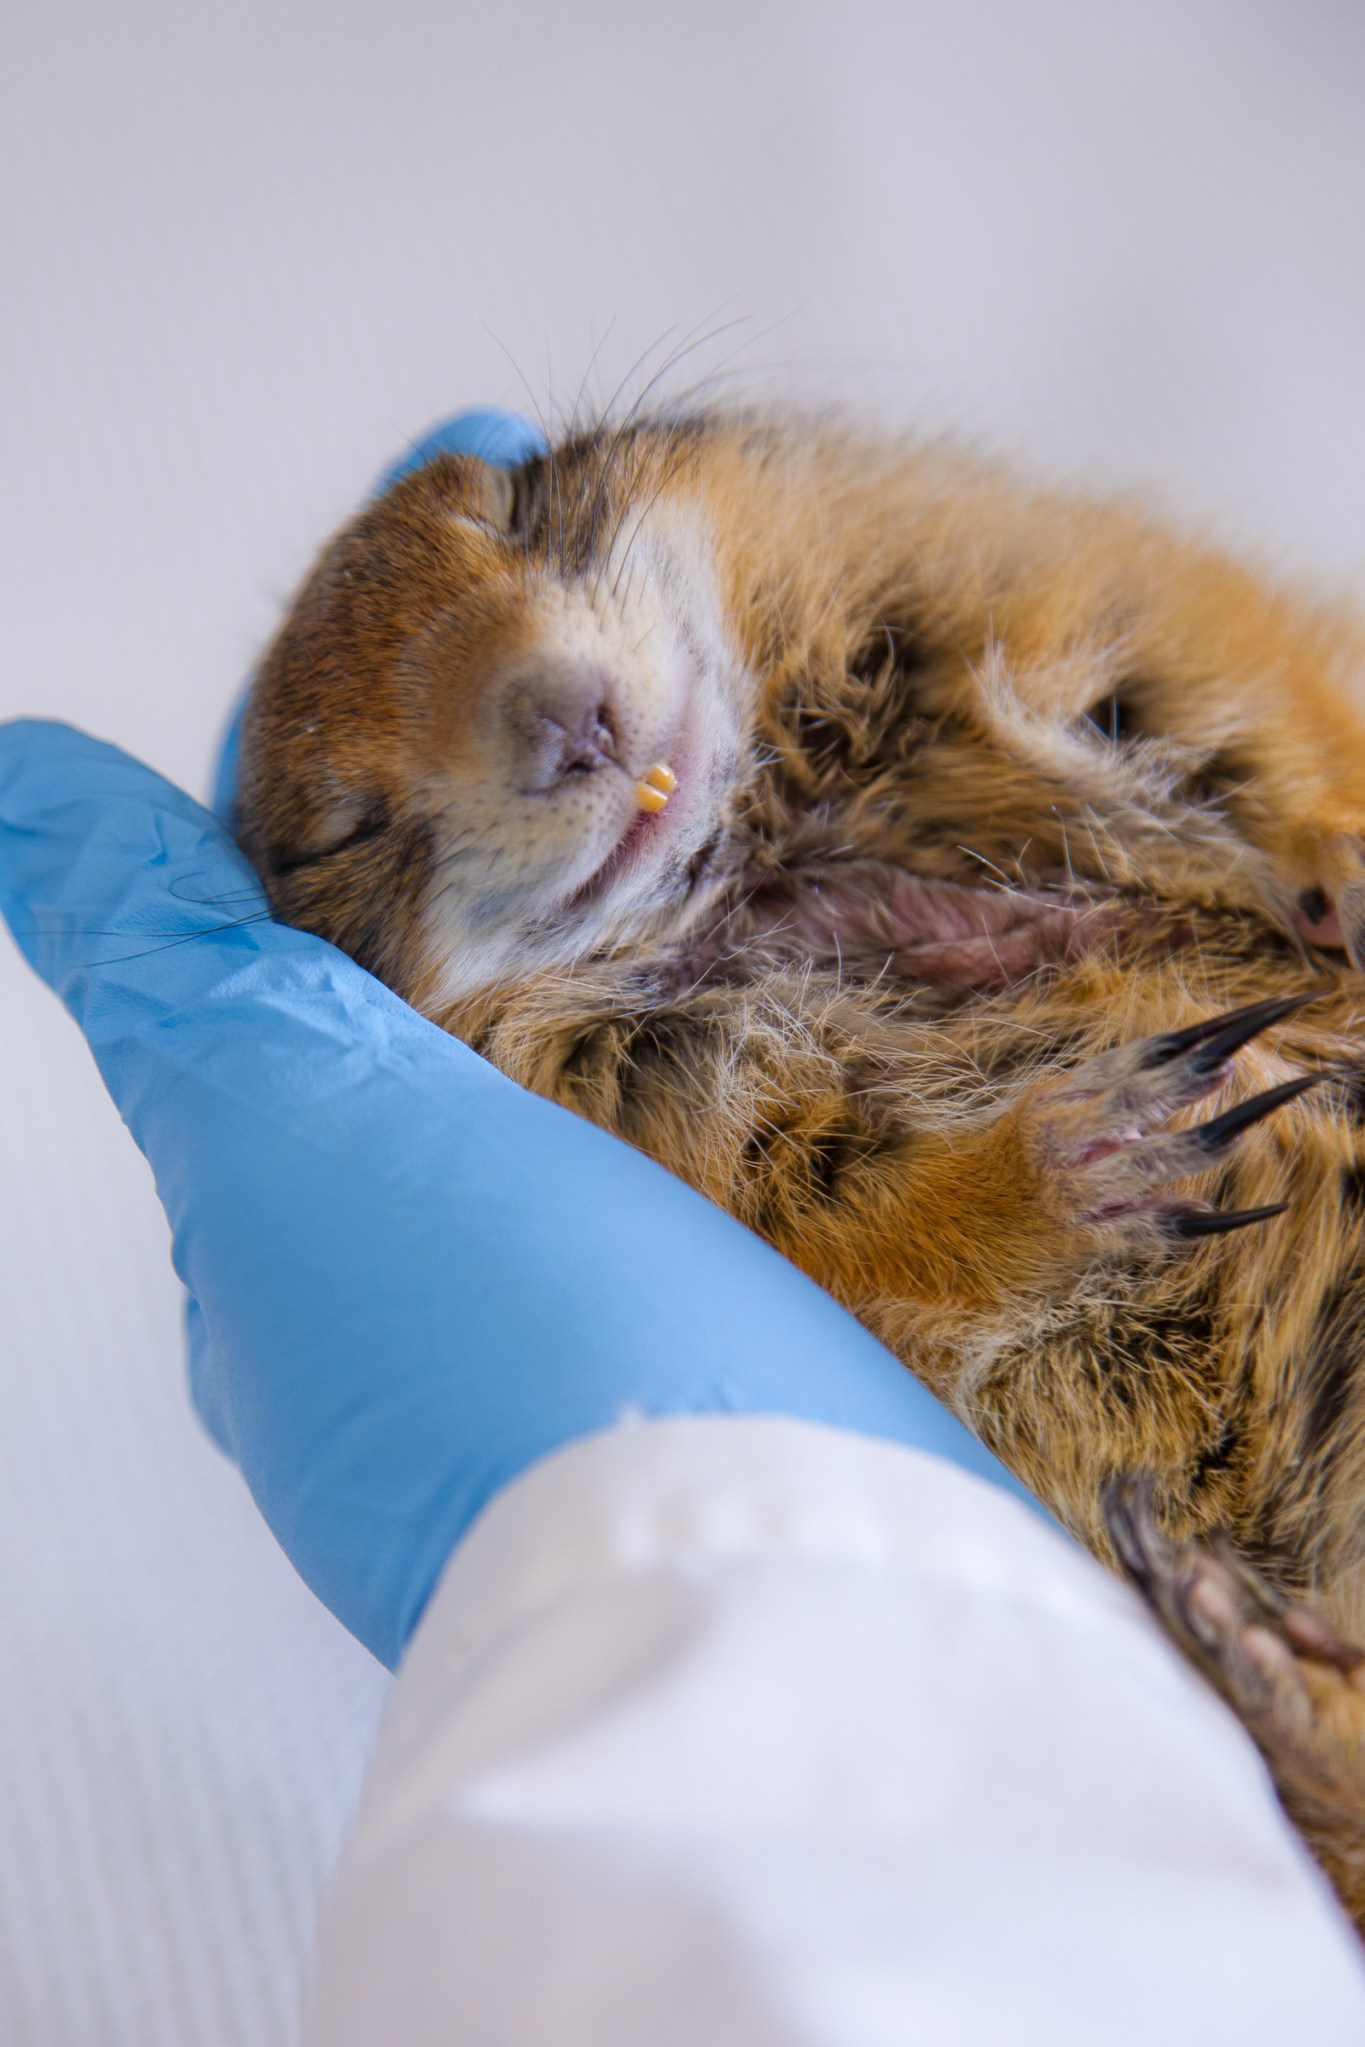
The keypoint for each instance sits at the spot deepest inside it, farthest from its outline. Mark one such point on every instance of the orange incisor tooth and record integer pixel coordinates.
(656, 788)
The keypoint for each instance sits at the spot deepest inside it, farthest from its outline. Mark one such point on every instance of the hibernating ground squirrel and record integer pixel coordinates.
(961, 883)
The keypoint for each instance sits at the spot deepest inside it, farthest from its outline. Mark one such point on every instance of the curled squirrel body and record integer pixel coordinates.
(892, 851)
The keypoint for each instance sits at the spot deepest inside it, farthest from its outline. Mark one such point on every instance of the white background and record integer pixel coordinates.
(245, 254)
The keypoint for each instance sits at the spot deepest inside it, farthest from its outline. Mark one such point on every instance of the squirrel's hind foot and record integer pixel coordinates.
(1298, 1690)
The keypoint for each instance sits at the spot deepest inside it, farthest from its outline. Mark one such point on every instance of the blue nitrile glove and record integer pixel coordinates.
(409, 1279)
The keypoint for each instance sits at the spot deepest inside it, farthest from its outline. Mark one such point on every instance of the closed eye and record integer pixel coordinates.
(374, 820)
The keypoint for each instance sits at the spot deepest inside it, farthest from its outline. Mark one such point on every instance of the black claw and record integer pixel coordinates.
(1127, 1513)
(1216, 1222)
(1220, 1036)
(1219, 1131)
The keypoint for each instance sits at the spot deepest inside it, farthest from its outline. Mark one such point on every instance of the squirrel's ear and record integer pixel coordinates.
(492, 493)
(473, 489)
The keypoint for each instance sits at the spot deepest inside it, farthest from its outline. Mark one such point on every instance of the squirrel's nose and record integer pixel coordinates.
(569, 732)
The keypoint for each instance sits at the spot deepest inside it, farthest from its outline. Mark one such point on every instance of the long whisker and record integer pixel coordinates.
(542, 422)
(694, 338)
(583, 381)
(671, 471)
(605, 417)
(678, 355)
(171, 939)
(718, 374)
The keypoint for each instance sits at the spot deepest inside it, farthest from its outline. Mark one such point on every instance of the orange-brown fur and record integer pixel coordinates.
(921, 669)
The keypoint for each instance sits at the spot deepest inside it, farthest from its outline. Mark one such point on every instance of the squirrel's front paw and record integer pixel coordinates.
(1106, 1165)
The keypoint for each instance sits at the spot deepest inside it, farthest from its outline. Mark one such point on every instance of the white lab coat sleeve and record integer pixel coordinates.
(726, 1730)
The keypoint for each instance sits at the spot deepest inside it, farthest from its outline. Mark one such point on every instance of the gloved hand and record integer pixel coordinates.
(408, 1278)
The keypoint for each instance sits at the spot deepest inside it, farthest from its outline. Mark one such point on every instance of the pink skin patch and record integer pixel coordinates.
(870, 918)
(1324, 930)
(650, 832)
(643, 830)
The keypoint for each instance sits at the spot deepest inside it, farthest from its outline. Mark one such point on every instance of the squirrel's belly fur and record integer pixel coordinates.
(975, 785)
(1231, 1371)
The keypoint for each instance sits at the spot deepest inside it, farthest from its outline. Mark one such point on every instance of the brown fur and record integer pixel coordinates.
(993, 782)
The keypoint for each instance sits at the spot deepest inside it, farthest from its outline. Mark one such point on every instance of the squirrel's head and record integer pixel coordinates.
(497, 729)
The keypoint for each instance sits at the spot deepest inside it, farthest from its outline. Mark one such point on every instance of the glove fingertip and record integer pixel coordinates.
(503, 438)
